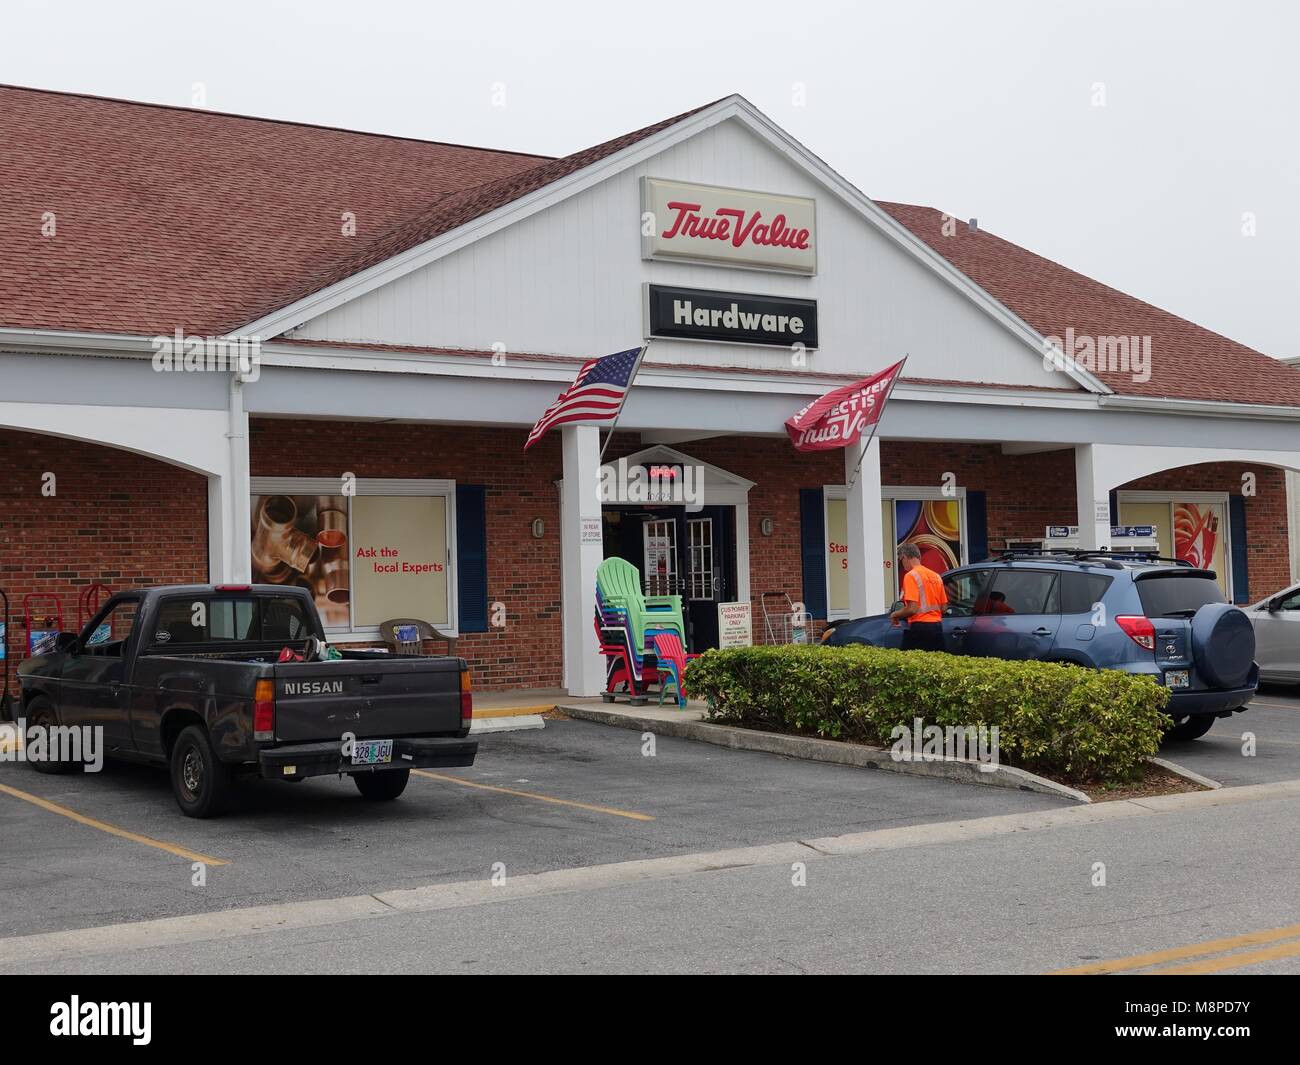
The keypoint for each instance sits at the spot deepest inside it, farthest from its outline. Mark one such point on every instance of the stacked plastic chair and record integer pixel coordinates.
(627, 622)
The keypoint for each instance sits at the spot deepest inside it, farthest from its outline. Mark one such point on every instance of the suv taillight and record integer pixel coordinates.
(264, 710)
(466, 699)
(1139, 629)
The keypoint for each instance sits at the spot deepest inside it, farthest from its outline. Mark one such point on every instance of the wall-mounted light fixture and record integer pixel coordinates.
(539, 528)
(765, 526)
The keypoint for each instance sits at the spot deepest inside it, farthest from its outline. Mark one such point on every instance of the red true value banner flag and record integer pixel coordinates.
(838, 418)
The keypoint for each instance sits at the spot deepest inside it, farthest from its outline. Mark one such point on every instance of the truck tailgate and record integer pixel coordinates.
(380, 697)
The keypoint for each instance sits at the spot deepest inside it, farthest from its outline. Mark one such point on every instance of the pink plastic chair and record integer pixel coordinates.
(672, 659)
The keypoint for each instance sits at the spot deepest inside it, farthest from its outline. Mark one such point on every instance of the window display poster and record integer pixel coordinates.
(934, 526)
(399, 559)
(837, 548)
(301, 541)
(1194, 532)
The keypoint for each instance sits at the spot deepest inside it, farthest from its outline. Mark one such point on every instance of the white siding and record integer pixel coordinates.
(568, 280)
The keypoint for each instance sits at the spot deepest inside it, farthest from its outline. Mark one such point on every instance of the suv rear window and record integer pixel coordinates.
(1081, 592)
(258, 619)
(1166, 596)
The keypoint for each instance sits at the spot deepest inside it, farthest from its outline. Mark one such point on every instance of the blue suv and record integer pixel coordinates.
(1139, 613)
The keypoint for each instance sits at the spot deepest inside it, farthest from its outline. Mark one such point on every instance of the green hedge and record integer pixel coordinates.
(1063, 721)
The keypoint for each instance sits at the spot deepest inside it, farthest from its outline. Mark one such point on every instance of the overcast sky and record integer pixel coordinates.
(1126, 139)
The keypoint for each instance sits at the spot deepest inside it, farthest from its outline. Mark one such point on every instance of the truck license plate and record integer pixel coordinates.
(372, 752)
(1176, 678)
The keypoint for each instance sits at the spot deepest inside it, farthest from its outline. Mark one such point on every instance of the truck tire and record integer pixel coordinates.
(40, 712)
(1191, 729)
(382, 787)
(200, 781)
(1223, 641)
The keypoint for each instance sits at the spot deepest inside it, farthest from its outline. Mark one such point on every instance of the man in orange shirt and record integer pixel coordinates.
(924, 598)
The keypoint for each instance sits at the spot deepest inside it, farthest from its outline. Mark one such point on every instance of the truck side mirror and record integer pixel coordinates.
(65, 641)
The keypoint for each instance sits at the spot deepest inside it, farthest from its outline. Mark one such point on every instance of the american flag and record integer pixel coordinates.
(595, 396)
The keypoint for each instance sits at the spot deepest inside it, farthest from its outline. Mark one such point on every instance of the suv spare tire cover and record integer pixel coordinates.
(1223, 641)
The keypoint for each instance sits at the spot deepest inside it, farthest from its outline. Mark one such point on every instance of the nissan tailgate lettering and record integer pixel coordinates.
(312, 687)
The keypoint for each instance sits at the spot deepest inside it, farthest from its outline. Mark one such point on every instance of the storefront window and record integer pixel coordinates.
(380, 553)
(918, 516)
(1192, 527)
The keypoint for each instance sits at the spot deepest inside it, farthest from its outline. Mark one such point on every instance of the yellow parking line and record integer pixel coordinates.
(113, 830)
(533, 795)
(1275, 706)
(1156, 957)
(1232, 961)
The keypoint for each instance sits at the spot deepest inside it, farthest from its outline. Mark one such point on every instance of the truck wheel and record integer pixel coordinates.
(1191, 729)
(41, 714)
(200, 781)
(381, 787)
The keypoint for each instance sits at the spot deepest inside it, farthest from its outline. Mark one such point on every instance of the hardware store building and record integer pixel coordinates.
(418, 305)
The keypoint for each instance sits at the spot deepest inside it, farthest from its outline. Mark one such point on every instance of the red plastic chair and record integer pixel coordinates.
(672, 659)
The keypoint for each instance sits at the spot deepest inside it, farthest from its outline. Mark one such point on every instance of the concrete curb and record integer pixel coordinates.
(481, 726)
(1184, 772)
(815, 750)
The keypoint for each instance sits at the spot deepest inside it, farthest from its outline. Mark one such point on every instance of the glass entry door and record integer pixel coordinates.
(659, 540)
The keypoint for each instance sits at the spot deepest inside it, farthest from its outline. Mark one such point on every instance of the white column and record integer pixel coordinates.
(229, 500)
(1092, 484)
(581, 552)
(866, 546)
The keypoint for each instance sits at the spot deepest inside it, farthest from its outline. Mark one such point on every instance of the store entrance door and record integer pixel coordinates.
(680, 552)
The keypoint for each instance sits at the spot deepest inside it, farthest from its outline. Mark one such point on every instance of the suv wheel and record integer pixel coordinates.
(200, 781)
(1191, 729)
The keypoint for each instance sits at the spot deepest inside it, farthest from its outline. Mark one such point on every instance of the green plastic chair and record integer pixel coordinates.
(620, 587)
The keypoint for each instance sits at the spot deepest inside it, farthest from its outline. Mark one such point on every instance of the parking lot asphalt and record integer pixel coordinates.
(1269, 727)
(89, 849)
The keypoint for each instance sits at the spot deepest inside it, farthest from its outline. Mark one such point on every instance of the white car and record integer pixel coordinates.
(1277, 635)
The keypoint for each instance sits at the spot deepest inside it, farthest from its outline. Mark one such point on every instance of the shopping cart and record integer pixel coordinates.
(781, 622)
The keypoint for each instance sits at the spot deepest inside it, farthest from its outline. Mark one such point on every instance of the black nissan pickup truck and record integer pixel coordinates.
(194, 677)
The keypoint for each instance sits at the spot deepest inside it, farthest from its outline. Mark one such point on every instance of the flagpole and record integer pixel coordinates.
(612, 425)
(876, 424)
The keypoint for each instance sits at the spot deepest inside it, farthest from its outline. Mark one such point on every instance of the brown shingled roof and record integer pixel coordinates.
(175, 218)
(1187, 361)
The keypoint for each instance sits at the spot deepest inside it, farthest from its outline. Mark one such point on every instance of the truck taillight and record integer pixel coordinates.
(264, 710)
(466, 699)
(1139, 629)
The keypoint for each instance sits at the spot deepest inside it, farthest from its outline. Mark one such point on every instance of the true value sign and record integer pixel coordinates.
(731, 227)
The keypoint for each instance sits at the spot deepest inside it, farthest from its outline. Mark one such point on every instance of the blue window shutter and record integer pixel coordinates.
(471, 557)
(977, 527)
(1240, 564)
(1114, 507)
(812, 534)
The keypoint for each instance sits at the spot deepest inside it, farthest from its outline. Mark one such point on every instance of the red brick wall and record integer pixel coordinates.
(523, 573)
(116, 518)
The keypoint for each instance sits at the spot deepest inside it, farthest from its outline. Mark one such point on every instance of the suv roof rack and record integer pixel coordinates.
(1109, 559)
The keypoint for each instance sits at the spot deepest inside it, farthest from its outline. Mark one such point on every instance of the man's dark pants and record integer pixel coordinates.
(923, 636)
